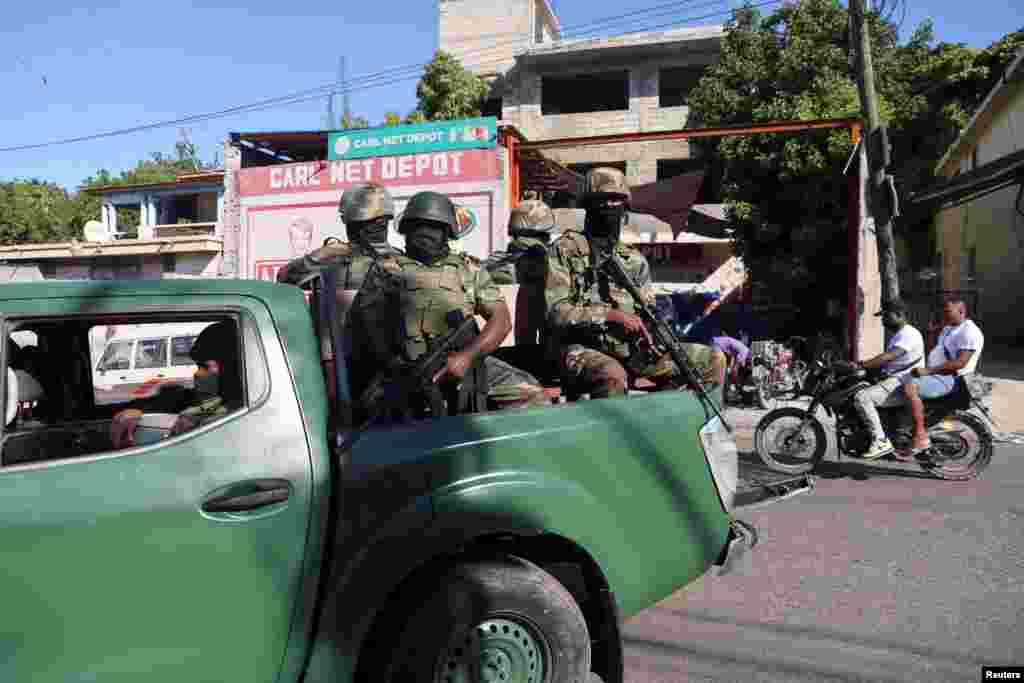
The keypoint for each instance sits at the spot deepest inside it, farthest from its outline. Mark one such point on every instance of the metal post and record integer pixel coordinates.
(854, 220)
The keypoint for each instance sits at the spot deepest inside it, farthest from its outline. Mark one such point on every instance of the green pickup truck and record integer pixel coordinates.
(278, 542)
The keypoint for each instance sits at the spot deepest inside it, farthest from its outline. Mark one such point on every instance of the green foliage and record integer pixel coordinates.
(449, 91)
(36, 211)
(785, 194)
(392, 118)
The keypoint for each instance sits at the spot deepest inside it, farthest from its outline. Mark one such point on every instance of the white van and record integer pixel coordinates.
(138, 359)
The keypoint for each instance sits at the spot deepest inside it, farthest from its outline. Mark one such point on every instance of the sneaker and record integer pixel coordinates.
(879, 449)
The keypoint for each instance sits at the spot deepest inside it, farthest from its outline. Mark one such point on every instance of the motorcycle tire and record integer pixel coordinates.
(951, 467)
(765, 442)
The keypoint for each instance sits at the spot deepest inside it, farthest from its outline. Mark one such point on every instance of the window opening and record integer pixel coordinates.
(585, 93)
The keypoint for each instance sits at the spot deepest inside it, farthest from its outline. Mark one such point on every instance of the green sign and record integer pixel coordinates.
(417, 138)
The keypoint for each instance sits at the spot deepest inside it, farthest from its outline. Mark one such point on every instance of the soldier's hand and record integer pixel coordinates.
(631, 322)
(457, 366)
(183, 424)
(122, 428)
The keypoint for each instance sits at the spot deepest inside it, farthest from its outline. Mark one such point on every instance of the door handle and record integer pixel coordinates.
(248, 496)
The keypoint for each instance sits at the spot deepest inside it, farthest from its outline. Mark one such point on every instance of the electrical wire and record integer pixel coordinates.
(363, 83)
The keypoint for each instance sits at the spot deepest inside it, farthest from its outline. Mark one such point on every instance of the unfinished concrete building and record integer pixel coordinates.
(550, 87)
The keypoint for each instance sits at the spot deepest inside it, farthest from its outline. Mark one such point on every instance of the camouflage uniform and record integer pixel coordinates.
(352, 259)
(398, 311)
(525, 262)
(589, 352)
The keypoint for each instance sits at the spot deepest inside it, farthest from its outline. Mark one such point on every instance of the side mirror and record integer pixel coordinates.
(10, 397)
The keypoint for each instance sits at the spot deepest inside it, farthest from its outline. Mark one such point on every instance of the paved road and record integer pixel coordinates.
(879, 574)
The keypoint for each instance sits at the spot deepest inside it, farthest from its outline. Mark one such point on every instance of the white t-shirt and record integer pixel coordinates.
(963, 337)
(910, 341)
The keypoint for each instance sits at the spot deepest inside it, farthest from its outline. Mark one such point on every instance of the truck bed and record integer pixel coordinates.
(760, 485)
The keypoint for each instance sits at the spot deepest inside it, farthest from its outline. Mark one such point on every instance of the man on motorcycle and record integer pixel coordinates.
(904, 352)
(955, 355)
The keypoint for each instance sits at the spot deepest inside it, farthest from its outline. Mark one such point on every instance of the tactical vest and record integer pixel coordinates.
(425, 296)
(591, 286)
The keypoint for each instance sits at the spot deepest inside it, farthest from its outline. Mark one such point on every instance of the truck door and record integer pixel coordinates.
(176, 561)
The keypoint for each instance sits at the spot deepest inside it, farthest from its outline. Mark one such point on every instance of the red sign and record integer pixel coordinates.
(411, 169)
(267, 270)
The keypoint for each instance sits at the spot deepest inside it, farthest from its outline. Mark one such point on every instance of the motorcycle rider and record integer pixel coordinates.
(903, 352)
(955, 355)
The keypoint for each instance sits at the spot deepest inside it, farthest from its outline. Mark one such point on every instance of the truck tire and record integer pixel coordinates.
(506, 615)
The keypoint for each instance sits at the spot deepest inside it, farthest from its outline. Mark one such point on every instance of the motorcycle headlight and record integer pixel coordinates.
(721, 454)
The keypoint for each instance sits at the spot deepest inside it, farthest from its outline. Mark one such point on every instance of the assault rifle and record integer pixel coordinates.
(659, 329)
(393, 390)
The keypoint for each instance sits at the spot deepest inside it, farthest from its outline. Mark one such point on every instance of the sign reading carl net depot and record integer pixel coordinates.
(438, 136)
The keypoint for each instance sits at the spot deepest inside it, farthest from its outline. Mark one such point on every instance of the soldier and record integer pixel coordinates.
(594, 334)
(529, 225)
(365, 210)
(398, 312)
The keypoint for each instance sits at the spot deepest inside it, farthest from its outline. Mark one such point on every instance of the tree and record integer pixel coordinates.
(392, 119)
(785, 195)
(35, 211)
(447, 90)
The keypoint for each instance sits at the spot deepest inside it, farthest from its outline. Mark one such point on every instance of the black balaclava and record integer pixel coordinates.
(603, 224)
(369, 233)
(426, 241)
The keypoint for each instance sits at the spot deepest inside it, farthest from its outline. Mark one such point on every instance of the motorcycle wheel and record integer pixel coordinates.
(780, 447)
(962, 447)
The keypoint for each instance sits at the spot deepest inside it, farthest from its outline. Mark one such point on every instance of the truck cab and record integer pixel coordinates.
(279, 541)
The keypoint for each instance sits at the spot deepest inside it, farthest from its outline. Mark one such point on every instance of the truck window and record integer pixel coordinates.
(117, 356)
(73, 401)
(150, 353)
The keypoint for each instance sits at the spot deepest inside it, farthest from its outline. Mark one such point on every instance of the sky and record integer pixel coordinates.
(67, 71)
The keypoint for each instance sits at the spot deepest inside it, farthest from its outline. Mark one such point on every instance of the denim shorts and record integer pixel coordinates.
(930, 386)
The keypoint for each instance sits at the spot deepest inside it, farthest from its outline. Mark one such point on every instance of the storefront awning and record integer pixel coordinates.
(669, 200)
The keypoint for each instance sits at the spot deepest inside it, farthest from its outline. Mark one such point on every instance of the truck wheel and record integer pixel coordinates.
(492, 621)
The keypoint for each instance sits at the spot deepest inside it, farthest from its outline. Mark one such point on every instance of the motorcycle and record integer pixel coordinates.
(793, 440)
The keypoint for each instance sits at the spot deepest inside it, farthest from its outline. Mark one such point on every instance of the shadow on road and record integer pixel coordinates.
(752, 468)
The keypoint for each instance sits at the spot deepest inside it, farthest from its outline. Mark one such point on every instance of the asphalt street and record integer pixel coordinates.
(880, 574)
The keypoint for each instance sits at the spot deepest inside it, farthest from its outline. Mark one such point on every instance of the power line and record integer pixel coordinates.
(298, 96)
(366, 82)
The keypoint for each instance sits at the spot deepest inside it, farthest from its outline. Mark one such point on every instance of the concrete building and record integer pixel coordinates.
(179, 234)
(549, 87)
(979, 238)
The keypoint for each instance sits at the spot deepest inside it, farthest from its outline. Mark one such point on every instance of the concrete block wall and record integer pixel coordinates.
(485, 36)
(523, 108)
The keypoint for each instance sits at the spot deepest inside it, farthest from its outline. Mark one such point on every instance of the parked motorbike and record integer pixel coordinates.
(778, 371)
(793, 440)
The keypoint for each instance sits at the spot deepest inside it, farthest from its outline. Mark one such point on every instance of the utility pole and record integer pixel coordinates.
(881, 188)
(343, 79)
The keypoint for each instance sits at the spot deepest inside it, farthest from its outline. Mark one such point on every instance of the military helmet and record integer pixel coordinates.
(531, 215)
(431, 206)
(605, 182)
(365, 202)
